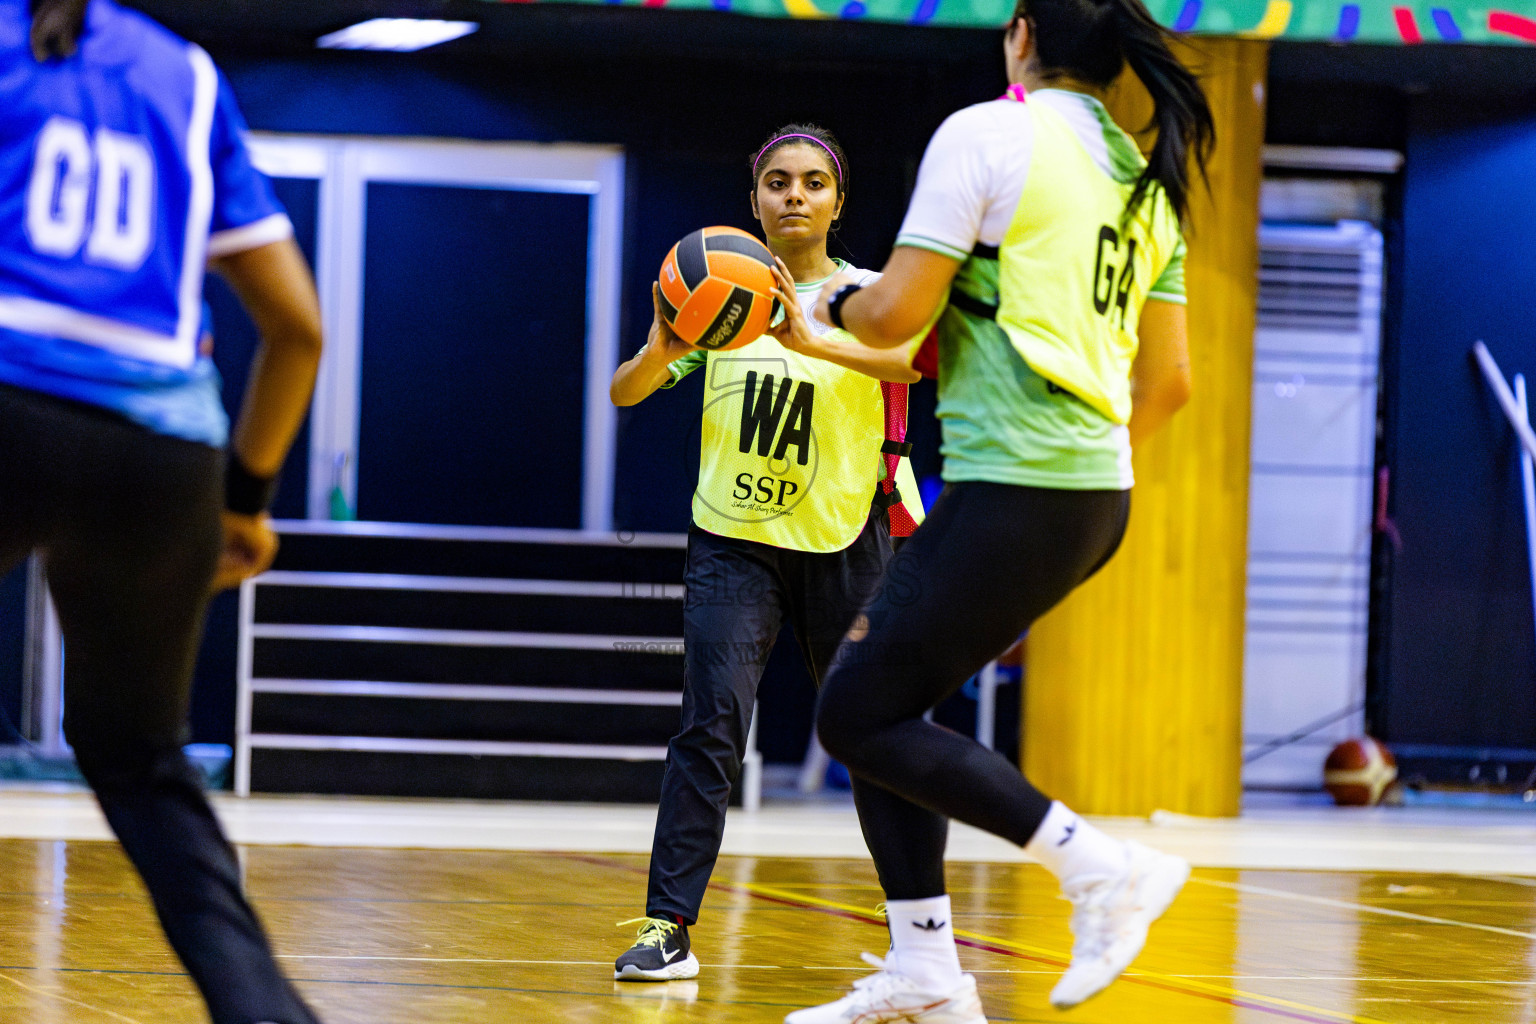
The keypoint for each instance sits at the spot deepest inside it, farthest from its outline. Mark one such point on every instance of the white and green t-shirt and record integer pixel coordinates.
(1035, 348)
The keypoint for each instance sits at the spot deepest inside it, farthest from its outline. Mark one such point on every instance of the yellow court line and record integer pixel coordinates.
(1170, 980)
(1277, 16)
(498, 962)
(63, 998)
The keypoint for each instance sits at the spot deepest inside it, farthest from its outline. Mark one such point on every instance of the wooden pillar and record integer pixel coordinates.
(1134, 685)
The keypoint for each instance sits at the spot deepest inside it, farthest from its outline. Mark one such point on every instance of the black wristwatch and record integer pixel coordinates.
(835, 303)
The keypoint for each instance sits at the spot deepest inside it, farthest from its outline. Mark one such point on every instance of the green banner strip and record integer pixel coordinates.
(1369, 21)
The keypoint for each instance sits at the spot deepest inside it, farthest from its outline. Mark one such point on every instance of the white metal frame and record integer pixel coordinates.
(344, 166)
(505, 534)
(247, 685)
(1516, 410)
(43, 666)
(1528, 486)
(1334, 158)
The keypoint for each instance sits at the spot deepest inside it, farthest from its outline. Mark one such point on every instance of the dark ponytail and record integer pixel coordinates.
(1185, 127)
(1093, 40)
(56, 27)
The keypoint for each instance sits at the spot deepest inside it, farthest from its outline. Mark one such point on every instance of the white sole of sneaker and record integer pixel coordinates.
(1155, 894)
(952, 1009)
(886, 1016)
(687, 967)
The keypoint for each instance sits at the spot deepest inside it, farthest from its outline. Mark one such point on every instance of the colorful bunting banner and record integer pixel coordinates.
(1315, 20)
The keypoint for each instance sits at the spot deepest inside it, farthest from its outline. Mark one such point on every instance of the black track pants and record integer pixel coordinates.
(127, 523)
(739, 594)
(989, 560)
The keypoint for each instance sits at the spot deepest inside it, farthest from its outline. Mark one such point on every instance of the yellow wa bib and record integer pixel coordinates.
(1072, 286)
(790, 454)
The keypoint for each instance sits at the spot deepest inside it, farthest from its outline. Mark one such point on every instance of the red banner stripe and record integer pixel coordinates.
(1512, 25)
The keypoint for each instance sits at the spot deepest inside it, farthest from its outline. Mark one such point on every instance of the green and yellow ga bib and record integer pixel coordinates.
(1071, 287)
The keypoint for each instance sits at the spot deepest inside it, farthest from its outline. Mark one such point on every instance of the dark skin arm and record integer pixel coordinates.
(274, 284)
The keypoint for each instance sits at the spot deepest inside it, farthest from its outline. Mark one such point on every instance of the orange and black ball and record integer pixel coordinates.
(717, 288)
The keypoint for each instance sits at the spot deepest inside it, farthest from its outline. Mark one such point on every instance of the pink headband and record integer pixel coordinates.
(796, 135)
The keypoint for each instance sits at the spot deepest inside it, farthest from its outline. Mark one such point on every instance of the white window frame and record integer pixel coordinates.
(344, 166)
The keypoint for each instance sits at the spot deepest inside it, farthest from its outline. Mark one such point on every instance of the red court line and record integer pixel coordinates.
(1233, 1001)
(1407, 27)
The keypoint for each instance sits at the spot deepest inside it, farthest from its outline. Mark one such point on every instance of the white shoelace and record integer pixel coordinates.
(878, 985)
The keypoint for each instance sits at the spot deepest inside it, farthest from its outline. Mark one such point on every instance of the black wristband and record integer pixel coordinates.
(835, 304)
(244, 492)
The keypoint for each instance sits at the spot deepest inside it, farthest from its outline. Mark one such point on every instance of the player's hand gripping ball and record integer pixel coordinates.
(717, 288)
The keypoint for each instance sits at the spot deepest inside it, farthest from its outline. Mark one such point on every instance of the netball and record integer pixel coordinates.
(1358, 772)
(717, 288)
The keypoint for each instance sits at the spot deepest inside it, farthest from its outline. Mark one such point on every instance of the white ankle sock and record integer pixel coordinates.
(923, 942)
(1070, 848)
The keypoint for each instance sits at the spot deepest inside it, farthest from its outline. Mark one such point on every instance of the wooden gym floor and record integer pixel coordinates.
(378, 936)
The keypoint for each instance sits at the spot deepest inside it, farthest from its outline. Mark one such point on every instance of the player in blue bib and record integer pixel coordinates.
(123, 175)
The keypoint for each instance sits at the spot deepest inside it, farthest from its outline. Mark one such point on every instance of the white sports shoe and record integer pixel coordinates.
(887, 997)
(1110, 918)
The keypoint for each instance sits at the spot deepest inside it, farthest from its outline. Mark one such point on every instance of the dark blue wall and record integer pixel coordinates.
(1459, 658)
(688, 128)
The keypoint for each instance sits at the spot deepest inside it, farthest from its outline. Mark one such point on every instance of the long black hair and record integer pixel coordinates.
(1093, 40)
(56, 27)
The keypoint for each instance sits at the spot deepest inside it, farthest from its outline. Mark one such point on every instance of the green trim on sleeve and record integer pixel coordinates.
(1169, 286)
(680, 368)
(933, 245)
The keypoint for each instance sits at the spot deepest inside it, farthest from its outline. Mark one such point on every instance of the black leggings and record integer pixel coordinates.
(127, 524)
(988, 562)
(739, 594)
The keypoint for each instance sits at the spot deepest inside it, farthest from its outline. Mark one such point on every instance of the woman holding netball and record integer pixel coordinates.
(1063, 343)
(123, 173)
(796, 501)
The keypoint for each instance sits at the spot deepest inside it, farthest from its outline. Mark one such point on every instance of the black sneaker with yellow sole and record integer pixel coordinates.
(660, 953)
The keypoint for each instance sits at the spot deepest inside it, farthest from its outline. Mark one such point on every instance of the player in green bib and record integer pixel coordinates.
(802, 483)
(1054, 251)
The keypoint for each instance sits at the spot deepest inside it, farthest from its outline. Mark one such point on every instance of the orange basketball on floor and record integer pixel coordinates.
(717, 288)
(1358, 772)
